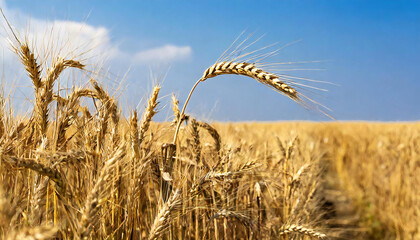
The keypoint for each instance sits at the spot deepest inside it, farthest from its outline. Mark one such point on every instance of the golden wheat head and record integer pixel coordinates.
(250, 70)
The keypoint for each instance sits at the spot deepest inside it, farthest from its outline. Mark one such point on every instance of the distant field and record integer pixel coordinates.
(374, 165)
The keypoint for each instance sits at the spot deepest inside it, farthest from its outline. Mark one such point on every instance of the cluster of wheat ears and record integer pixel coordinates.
(70, 172)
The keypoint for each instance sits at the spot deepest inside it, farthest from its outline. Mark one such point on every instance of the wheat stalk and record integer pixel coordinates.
(74, 95)
(47, 96)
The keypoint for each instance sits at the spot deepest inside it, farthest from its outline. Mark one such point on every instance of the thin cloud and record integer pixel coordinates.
(165, 54)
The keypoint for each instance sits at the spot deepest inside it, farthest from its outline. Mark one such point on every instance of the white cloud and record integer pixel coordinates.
(167, 53)
(81, 40)
(50, 39)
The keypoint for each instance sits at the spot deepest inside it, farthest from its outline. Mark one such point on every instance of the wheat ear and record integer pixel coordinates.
(161, 222)
(250, 70)
(175, 109)
(149, 113)
(213, 133)
(224, 213)
(107, 101)
(72, 157)
(32, 67)
(7, 209)
(38, 201)
(134, 136)
(301, 230)
(109, 107)
(35, 233)
(196, 140)
(98, 194)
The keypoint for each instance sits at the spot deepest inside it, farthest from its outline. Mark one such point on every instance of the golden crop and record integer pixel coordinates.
(70, 171)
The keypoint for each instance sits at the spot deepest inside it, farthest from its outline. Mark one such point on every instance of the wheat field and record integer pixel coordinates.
(76, 168)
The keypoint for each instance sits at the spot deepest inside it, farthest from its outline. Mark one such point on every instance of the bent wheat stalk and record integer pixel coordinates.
(58, 67)
(244, 69)
(38, 167)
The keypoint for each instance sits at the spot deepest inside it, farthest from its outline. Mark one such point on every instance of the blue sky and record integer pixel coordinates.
(370, 50)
